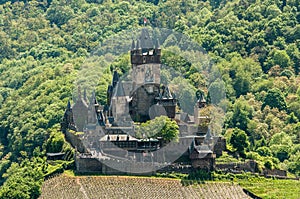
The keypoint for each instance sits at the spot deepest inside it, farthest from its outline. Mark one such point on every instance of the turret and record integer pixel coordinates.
(119, 90)
(138, 48)
(145, 52)
(109, 94)
(68, 119)
(132, 46)
(166, 99)
(201, 102)
(84, 95)
(119, 102)
(80, 110)
(69, 105)
(115, 79)
(146, 63)
(157, 48)
(92, 110)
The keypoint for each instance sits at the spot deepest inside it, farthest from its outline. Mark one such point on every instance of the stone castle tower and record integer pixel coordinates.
(149, 98)
(80, 110)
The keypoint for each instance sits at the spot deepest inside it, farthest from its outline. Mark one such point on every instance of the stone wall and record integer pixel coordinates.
(75, 141)
(274, 172)
(177, 168)
(87, 165)
(220, 146)
(250, 165)
(207, 164)
(80, 111)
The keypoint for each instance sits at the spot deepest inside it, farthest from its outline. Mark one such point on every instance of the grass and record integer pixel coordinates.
(226, 158)
(266, 188)
(272, 188)
(69, 173)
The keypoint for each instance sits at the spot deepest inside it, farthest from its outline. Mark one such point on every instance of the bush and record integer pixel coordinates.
(264, 151)
(269, 164)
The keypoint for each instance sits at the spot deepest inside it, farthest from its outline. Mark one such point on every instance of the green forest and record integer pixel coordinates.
(254, 43)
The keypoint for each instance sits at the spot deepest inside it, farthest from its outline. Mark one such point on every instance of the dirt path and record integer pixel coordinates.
(82, 190)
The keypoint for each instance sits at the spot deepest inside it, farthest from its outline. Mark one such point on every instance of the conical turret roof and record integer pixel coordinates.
(119, 90)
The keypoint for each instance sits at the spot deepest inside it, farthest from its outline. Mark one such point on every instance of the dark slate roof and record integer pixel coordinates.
(203, 149)
(138, 44)
(109, 89)
(208, 135)
(69, 105)
(132, 45)
(115, 78)
(93, 99)
(80, 102)
(119, 90)
(84, 94)
(145, 40)
(157, 44)
(127, 86)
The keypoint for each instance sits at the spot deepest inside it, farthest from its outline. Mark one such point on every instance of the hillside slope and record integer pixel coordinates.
(135, 187)
(43, 44)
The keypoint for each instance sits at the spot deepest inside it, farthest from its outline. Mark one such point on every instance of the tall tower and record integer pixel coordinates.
(145, 60)
(148, 98)
(119, 103)
(80, 110)
(92, 117)
(202, 121)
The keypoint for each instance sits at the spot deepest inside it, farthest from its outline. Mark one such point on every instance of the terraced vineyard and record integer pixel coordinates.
(65, 187)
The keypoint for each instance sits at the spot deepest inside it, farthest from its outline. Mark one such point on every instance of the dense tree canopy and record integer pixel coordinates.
(239, 141)
(274, 99)
(160, 127)
(44, 45)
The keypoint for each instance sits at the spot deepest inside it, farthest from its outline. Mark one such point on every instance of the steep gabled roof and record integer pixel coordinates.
(145, 40)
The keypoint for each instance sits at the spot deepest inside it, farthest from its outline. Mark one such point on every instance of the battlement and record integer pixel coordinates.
(143, 51)
(145, 56)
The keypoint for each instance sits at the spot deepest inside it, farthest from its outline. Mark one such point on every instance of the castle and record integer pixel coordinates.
(104, 135)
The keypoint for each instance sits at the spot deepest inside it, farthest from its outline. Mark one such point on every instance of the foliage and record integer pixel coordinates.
(294, 163)
(239, 141)
(185, 94)
(55, 143)
(200, 175)
(260, 186)
(23, 181)
(274, 99)
(226, 158)
(272, 188)
(242, 113)
(264, 151)
(43, 45)
(162, 127)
